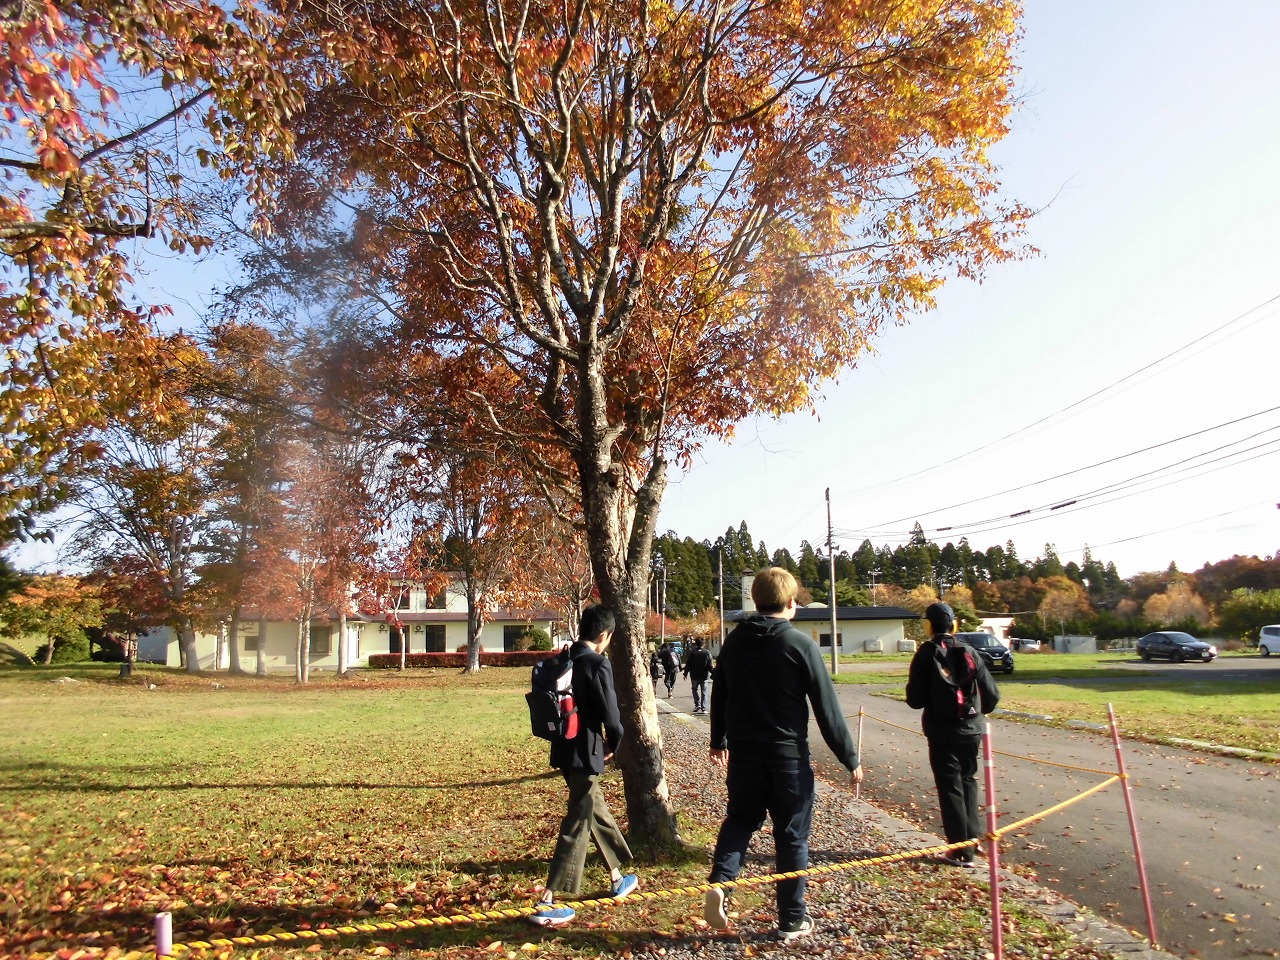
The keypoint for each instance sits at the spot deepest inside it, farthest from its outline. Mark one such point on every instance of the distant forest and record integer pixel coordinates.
(1229, 598)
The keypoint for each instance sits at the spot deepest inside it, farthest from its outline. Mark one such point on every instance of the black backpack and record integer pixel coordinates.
(955, 696)
(552, 712)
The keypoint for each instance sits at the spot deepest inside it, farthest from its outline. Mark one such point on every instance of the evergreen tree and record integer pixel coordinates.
(782, 558)
(809, 572)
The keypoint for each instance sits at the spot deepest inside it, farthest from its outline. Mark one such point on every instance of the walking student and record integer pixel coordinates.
(767, 675)
(670, 666)
(950, 682)
(697, 667)
(581, 761)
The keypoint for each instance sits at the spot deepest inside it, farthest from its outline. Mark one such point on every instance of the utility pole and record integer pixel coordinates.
(831, 600)
(721, 600)
(662, 613)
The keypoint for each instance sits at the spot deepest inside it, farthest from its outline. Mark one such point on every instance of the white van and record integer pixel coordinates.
(1269, 640)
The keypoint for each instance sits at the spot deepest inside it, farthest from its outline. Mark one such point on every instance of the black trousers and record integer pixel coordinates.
(955, 774)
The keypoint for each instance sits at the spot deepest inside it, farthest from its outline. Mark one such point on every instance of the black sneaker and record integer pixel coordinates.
(795, 929)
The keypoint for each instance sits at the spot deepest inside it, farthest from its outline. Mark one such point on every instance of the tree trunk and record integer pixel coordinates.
(233, 642)
(48, 650)
(187, 638)
(261, 667)
(303, 672)
(342, 640)
(620, 559)
(475, 626)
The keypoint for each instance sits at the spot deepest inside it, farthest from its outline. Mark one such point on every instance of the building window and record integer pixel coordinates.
(434, 637)
(511, 636)
(402, 598)
(319, 642)
(437, 600)
(824, 639)
(250, 641)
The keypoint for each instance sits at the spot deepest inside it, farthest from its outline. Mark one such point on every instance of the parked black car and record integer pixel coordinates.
(998, 657)
(1176, 646)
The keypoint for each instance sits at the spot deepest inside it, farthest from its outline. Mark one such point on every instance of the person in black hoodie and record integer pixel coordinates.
(767, 675)
(953, 741)
(697, 668)
(581, 761)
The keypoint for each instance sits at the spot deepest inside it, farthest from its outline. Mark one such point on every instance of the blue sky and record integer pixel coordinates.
(1150, 134)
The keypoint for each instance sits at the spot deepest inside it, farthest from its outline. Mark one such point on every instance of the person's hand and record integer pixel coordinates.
(856, 776)
(720, 758)
(608, 757)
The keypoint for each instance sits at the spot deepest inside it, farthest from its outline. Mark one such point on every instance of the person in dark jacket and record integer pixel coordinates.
(767, 675)
(581, 761)
(697, 668)
(670, 666)
(953, 742)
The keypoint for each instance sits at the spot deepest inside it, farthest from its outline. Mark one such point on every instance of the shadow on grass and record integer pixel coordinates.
(42, 777)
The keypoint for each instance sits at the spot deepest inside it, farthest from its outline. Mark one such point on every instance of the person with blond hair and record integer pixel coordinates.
(767, 676)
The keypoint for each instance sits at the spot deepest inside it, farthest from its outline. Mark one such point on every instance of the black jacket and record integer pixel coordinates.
(767, 675)
(698, 666)
(924, 675)
(599, 725)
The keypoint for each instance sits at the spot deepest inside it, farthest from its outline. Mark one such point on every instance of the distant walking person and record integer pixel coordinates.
(767, 675)
(950, 682)
(655, 670)
(581, 760)
(697, 668)
(670, 666)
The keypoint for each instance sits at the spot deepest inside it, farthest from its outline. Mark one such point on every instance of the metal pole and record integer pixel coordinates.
(721, 599)
(857, 789)
(663, 612)
(993, 845)
(1133, 829)
(831, 600)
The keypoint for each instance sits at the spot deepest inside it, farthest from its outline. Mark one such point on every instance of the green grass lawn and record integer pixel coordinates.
(250, 805)
(1187, 702)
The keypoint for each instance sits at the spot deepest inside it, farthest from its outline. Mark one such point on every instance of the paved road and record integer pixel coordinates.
(1210, 826)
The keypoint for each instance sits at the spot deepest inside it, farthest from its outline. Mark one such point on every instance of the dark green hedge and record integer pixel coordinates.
(513, 658)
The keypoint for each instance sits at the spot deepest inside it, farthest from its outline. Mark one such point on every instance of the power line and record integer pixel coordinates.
(1117, 486)
(1180, 526)
(1077, 403)
(1005, 526)
(1068, 473)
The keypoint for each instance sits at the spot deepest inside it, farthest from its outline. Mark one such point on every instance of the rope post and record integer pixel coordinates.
(857, 789)
(1133, 829)
(163, 930)
(993, 844)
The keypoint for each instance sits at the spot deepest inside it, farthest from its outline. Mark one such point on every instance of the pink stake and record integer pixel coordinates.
(993, 845)
(1133, 828)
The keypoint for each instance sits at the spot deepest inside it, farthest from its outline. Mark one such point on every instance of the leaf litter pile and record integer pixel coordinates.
(398, 799)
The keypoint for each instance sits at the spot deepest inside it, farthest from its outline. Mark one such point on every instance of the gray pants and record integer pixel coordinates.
(588, 816)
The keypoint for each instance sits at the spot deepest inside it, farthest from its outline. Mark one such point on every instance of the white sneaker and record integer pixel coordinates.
(793, 931)
(713, 909)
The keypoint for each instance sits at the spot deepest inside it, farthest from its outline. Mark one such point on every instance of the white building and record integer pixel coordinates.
(420, 623)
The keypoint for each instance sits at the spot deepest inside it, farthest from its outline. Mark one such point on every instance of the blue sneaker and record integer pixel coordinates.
(624, 885)
(551, 916)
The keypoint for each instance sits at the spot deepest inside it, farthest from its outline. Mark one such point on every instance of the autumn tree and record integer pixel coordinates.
(109, 111)
(1178, 604)
(475, 515)
(1062, 600)
(661, 219)
(57, 607)
(146, 495)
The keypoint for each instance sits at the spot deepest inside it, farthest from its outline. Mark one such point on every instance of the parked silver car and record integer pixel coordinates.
(1269, 640)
